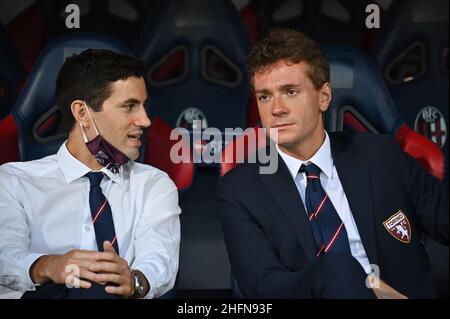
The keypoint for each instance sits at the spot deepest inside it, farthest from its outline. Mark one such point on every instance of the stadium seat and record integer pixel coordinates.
(359, 92)
(122, 19)
(198, 72)
(411, 51)
(335, 21)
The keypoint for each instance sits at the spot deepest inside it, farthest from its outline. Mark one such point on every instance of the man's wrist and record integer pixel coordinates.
(38, 270)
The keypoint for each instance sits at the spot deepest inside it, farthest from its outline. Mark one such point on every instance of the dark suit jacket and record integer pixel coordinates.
(269, 240)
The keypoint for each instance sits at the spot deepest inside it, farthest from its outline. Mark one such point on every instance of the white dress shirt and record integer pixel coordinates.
(332, 185)
(44, 209)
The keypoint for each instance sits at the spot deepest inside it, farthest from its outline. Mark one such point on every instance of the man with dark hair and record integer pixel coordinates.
(89, 222)
(343, 215)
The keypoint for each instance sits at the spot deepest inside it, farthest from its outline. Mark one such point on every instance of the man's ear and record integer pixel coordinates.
(79, 112)
(325, 96)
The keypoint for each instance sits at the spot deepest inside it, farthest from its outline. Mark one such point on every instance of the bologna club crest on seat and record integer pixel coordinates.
(192, 118)
(430, 123)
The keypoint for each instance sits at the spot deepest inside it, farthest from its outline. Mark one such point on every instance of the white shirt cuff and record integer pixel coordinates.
(28, 284)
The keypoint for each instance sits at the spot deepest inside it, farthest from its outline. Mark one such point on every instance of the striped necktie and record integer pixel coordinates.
(327, 227)
(101, 213)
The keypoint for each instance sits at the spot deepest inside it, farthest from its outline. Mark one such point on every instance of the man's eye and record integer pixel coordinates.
(292, 92)
(263, 98)
(129, 106)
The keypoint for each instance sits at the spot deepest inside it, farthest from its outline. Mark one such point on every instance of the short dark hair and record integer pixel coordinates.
(291, 46)
(88, 76)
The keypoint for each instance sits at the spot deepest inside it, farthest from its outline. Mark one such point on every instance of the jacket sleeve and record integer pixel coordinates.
(428, 195)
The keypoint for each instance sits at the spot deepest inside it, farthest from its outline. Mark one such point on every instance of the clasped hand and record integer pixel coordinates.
(81, 267)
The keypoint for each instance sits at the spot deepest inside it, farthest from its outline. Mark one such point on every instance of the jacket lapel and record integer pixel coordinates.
(284, 192)
(354, 174)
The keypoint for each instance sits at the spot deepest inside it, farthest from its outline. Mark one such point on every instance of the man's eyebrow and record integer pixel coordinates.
(263, 91)
(289, 86)
(281, 88)
(132, 100)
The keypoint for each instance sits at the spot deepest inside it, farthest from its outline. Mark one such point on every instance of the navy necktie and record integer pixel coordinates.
(327, 227)
(101, 213)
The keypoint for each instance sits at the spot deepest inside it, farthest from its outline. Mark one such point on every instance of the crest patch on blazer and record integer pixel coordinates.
(398, 226)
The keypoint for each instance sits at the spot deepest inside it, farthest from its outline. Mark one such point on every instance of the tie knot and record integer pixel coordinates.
(95, 178)
(312, 171)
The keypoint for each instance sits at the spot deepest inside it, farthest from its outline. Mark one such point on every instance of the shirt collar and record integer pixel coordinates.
(322, 158)
(73, 169)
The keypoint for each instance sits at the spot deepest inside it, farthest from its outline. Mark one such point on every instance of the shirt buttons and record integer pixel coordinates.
(87, 228)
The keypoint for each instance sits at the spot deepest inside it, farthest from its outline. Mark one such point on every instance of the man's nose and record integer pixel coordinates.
(143, 120)
(278, 107)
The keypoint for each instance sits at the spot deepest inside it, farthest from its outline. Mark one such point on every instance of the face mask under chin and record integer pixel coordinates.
(104, 153)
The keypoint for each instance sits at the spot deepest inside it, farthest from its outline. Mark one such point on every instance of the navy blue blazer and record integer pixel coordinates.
(268, 236)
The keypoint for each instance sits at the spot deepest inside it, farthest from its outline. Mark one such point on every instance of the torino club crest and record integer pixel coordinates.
(398, 226)
(430, 123)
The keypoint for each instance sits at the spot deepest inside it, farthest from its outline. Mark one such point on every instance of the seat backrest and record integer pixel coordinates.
(119, 18)
(11, 74)
(412, 52)
(359, 88)
(360, 96)
(195, 54)
(35, 111)
(336, 21)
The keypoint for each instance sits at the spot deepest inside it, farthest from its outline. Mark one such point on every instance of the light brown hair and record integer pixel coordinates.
(293, 47)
